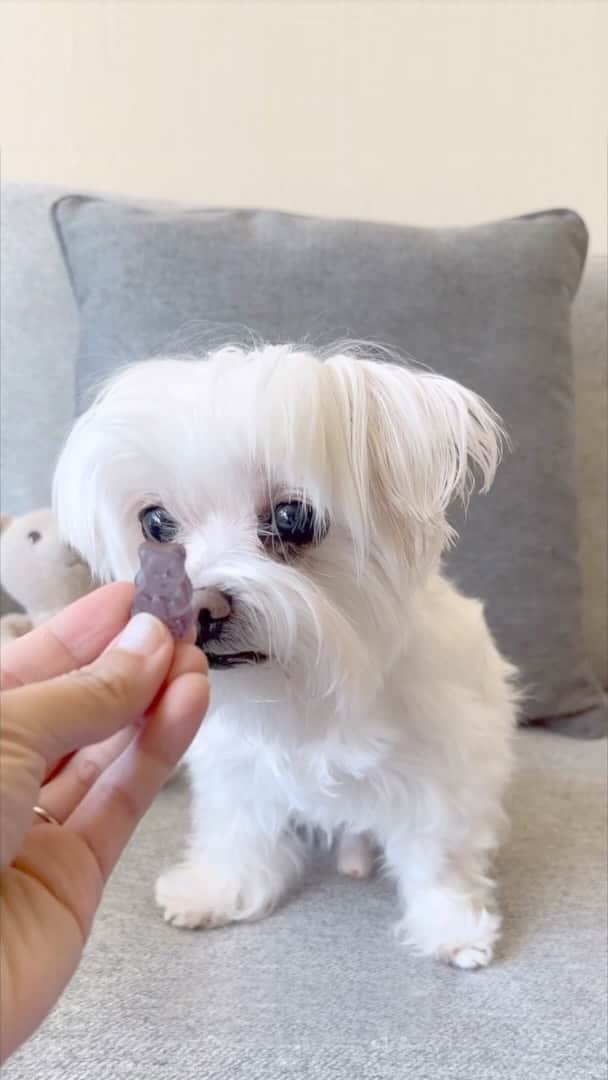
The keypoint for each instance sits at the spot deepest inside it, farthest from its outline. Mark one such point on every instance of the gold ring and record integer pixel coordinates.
(45, 816)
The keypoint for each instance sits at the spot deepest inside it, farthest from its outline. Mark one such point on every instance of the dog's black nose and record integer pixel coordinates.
(215, 608)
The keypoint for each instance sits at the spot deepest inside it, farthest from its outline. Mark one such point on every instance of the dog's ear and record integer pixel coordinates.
(79, 493)
(418, 441)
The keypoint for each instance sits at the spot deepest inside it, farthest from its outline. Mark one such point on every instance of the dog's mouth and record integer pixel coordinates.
(228, 660)
(218, 646)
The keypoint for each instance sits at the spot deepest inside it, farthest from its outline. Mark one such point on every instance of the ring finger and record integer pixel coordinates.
(63, 793)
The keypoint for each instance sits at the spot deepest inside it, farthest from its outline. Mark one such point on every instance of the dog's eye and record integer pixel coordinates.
(296, 522)
(34, 536)
(157, 524)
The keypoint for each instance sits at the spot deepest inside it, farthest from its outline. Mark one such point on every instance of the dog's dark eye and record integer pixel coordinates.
(157, 524)
(296, 522)
(34, 536)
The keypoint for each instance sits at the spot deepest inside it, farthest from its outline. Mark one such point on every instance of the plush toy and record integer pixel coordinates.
(40, 572)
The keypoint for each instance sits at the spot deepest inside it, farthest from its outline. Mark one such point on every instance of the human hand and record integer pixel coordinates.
(92, 747)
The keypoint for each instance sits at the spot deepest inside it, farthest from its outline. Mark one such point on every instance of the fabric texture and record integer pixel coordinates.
(39, 336)
(489, 306)
(321, 991)
(590, 342)
(39, 333)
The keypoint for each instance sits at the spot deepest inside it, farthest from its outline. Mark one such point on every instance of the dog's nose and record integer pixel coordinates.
(215, 608)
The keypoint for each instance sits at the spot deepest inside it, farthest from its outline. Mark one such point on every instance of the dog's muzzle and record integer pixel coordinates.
(213, 616)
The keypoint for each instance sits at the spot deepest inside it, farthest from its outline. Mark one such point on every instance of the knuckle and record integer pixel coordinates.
(111, 689)
(118, 799)
(87, 771)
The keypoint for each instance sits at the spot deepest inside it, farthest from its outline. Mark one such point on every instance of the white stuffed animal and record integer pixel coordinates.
(39, 571)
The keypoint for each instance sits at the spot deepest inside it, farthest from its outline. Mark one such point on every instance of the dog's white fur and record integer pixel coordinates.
(384, 714)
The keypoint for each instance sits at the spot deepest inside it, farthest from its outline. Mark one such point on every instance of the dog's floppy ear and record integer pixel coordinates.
(418, 441)
(80, 493)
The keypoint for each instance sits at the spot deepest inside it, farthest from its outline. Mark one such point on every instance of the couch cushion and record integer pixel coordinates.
(39, 334)
(39, 344)
(321, 991)
(488, 305)
(590, 341)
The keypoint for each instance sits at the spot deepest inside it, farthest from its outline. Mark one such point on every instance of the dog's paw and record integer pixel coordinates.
(355, 855)
(474, 947)
(464, 936)
(192, 898)
(470, 957)
(180, 893)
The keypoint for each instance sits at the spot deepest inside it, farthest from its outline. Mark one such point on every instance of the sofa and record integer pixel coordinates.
(320, 989)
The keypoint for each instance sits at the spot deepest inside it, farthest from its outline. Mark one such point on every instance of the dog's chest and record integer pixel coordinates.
(329, 784)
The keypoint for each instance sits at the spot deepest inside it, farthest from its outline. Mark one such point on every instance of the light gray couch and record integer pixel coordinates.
(320, 989)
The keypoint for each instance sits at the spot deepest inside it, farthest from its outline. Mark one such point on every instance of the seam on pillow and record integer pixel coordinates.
(58, 229)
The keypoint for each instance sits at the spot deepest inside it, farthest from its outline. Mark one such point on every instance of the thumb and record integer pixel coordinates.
(55, 717)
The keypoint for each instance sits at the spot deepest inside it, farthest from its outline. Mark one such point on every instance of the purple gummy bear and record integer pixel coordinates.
(162, 586)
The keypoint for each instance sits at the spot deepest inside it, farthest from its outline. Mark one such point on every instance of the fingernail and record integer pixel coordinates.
(142, 635)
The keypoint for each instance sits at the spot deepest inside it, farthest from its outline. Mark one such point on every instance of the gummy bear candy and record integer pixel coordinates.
(163, 588)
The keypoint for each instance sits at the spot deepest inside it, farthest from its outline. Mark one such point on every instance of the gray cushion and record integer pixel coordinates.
(489, 306)
(39, 340)
(37, 405)
(39, 333)
(321, 991)
(590, 339)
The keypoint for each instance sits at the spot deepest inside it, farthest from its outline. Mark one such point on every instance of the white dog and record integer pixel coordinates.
(354, 689)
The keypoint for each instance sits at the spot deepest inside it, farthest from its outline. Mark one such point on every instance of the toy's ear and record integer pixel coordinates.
(5, 521)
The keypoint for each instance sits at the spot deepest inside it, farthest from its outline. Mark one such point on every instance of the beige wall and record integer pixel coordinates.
(424, 112)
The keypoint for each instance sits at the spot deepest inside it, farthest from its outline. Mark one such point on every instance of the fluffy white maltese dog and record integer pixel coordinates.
(354, 690)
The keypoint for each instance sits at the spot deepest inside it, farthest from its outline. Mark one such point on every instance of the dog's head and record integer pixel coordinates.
(310, 495)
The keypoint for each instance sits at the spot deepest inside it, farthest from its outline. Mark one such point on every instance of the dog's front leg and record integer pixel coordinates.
(241, 857)
(448, 901)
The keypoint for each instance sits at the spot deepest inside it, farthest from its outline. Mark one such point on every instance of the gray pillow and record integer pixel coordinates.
(489, 306)
(39, 333)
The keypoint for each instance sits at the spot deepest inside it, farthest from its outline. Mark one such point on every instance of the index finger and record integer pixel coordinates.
(74, 637)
